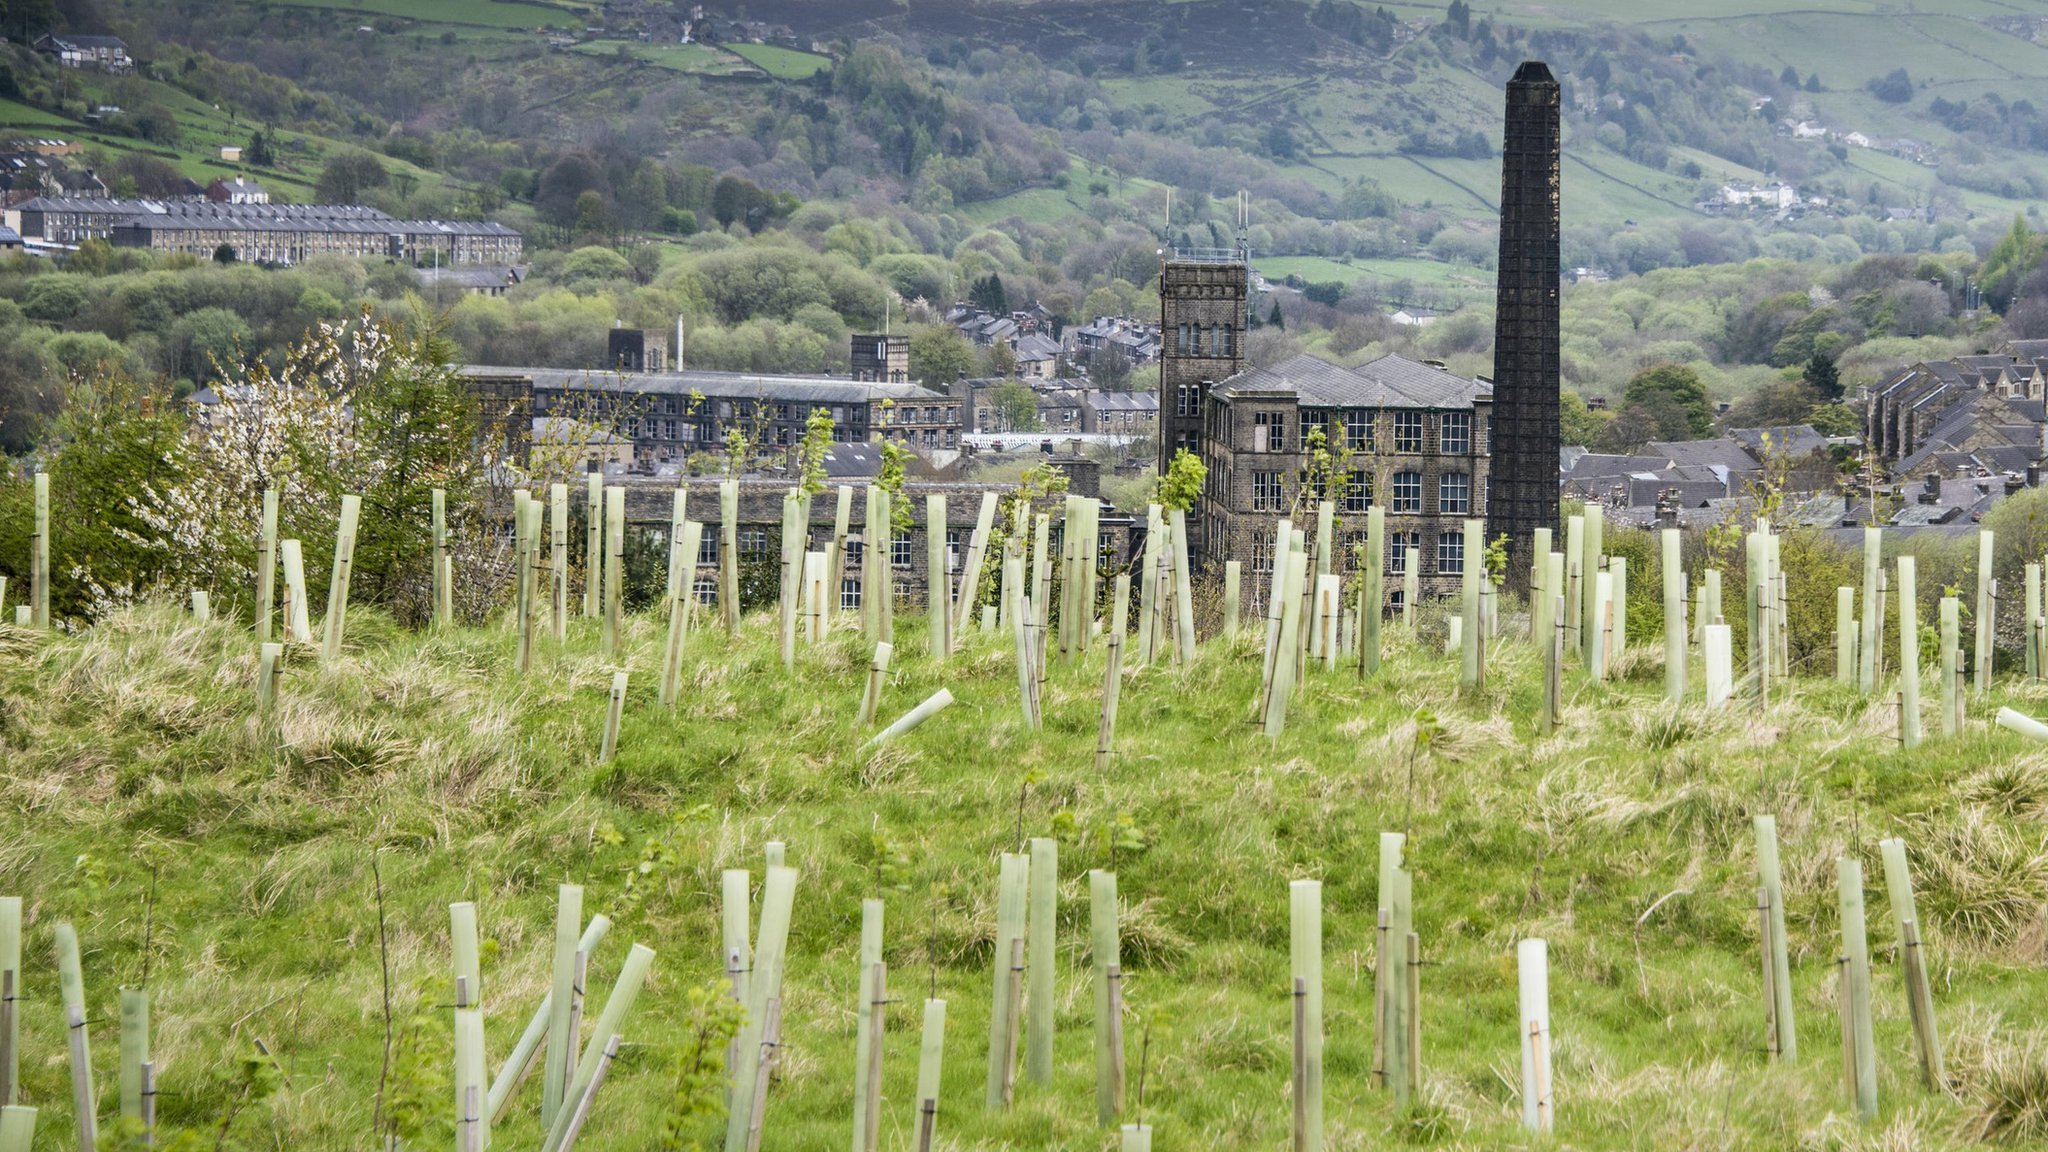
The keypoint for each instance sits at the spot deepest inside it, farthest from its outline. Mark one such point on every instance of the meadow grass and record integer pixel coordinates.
(488, 13)
(782, 63)
(134, 760)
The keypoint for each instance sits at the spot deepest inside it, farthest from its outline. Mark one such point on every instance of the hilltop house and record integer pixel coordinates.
(106, 53)
(237, 191)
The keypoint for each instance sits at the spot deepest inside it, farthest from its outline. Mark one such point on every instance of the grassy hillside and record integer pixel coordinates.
(134, 762)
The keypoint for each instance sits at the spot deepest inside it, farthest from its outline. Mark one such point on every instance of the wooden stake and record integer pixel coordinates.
(1372, 592)
(877, 1017)
(1411, 587)
(1414, 1013)
(1011, 1021)
(593, 545)
(1300, 1078)
(762, 1031)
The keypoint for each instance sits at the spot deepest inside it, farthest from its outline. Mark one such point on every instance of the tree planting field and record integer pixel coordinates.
(136, 764)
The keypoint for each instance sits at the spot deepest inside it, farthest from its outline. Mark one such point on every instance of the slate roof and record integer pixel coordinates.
(1725, 452)
(722, 385)
(1036, 347)
(1389, 382)
(1792, 440)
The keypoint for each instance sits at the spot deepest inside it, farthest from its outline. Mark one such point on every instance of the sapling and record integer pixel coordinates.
(522, 580)
(561, 1040)
(681, 598)
(1043, 912)
(1112, 674)
(1411, 587)
(791, 570)
(593, 545)
(266, 567)
(977, 555)
(1011, 898)
(1987, 610)
(558, 555)
(1674, 617)
(1284, 657)
(729, 554)
(337, 587)
(1305, 954)
(39, 556)
(1233, 593)
(1909, 655)
(1533, 963)
(625, 990)
(1148, 588)
(764, 1000)
(613, 714)
(17, 1128)
(1782, 1033)
(1106, 962)
(1183, 587)
(1873, 610)
(1898, 882)
(930, 1065)
(866, 1037)
(614, 568)
(1472, 658)
(842, 519)
(10, 976)
(71, 981)
(1372, 595)
(1860, 1051)
(438, 528)
(1951, 664)
(938, 610)
(931, 707)
(134, 1050)
(1574, 557)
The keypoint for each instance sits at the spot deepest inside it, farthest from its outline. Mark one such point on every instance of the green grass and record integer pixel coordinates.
(783, 63)
(488, 13)
(1383, 276)
(699, 58)
(132, 745)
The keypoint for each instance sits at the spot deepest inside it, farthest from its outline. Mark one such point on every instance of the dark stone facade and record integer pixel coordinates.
(1522, 493)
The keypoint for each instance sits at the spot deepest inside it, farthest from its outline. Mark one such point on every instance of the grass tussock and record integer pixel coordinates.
(132, 761)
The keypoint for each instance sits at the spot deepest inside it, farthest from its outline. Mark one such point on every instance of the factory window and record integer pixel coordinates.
(1407, 491)
(707, 549)
(1358, 430)
(1454, 437)
(1358, 491)
(1450, 554)
(1398, 544)
(1454, 494)
(899, 550)
(1407, 431)
(706, 590)
(1265, 491)
(1262, 555)
(1269, 431)
(849, 594)
(753, 543)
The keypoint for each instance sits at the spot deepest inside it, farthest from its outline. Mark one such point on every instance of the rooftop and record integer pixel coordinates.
(726, 385)
(1388, 382)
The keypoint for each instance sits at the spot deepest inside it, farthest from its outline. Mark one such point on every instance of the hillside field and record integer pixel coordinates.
(135, 763)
